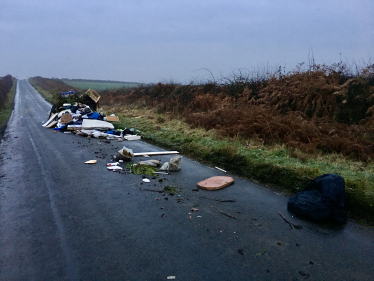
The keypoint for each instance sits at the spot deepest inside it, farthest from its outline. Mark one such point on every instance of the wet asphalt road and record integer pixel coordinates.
(61, 219)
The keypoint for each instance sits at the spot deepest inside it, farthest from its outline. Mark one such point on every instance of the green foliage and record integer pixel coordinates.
(142, 169)
(6, 84)
(7, 104)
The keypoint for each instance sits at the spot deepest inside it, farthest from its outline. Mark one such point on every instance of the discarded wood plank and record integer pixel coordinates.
(218, 200)
(227, 215)
(222, 170)
(112, 118)
(156, 153)
(52, 124)
(132, 137)
(50, 119)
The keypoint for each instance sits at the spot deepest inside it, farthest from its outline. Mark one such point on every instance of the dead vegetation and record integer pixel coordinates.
(323, 110)
(6, 84)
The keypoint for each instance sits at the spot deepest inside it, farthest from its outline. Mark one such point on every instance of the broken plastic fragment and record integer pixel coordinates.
(112, 164)
(124, 154)
(222, 170)
(194, 209)
(146, 180)
(114, 168)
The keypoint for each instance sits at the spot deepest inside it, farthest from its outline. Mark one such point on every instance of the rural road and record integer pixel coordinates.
(61, 219)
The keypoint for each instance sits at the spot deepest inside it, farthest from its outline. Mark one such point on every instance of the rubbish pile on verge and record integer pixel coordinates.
(81, 120)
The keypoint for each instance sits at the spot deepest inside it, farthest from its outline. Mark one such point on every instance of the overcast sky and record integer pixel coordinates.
(156, 40)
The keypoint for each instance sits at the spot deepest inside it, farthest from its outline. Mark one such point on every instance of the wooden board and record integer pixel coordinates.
(156, 153)
(112, 118)
(130, 137)
(93, 95)
(215, 183)
(52, 124)
(50, 120)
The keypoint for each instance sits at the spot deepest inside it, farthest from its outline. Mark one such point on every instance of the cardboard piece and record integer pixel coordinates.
(112, 118)
(66, 118)
(215, 183)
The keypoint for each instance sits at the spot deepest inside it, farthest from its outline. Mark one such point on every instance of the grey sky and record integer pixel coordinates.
(155, 40)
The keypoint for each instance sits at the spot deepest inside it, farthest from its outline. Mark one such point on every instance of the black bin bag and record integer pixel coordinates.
(322, 200)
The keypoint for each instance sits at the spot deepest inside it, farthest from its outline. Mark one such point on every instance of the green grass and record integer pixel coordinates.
(281, 168)
(98, 85)
(45, 94)
(6, 111)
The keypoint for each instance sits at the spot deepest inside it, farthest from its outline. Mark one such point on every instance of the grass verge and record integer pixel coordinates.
(282, 168)
(6, 110)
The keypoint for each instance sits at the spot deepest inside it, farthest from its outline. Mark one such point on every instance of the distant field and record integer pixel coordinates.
(99, 85)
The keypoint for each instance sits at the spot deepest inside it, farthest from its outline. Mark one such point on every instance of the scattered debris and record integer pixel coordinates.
(114, 168)
(173, 165)
(164, 215)
(222, 170)
(170, 189)
(113, 164)
(241, 251)
(91, 162)
(146, 180)
(261, 253)
(124, 154)
(194, 209)
(290, 223)
(215, 183)
(302, 273)
(171, 277)
(227, 215)
(163, 173)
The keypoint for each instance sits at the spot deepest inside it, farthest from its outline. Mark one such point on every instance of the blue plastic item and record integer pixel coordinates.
(94, 115)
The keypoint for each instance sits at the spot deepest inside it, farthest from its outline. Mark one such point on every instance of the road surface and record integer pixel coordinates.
(61, 219)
